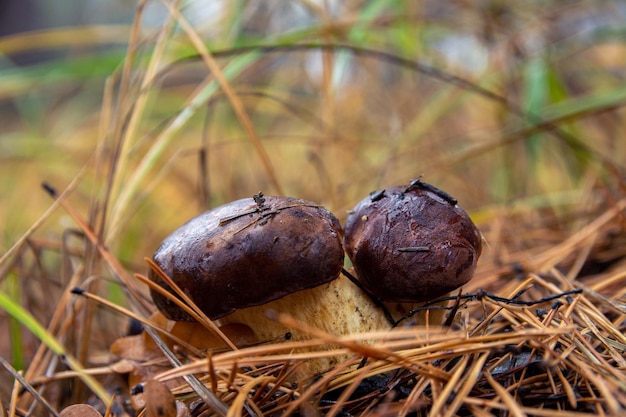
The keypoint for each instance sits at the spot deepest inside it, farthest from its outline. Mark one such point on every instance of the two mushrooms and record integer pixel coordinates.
(408, 245)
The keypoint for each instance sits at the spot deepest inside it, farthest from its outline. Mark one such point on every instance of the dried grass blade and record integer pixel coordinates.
(606, 395)
(593, 326)
(314, 388)
(470, 382)
(440, 401)
(187, 303)
(235, 101)
(237, 406)
(112, 261)
(347, 392)
(55, 204)
(571, 396)
(615, 305)
(509, 402)
(143, 321)
(13, 400)
(19, 378)
(136, 105)
(551, 257)
(212, 373)
(36, 364)
(198, 98)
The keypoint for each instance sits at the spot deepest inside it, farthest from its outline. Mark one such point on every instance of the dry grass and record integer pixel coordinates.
(362, 97)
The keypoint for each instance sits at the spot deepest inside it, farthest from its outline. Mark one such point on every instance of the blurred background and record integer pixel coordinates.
(505, 105)
(332, 124)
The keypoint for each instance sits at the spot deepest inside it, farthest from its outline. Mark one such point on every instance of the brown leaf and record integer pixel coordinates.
(160, 401)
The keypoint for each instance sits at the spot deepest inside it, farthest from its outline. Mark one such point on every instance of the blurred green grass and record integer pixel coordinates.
(336, 124)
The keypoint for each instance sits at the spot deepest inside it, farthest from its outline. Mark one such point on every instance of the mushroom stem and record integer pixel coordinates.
(338, 307)
(397, 312)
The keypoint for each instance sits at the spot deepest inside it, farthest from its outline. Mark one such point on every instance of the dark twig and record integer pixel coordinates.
(505, 300)
(481, 294)
(455, 308)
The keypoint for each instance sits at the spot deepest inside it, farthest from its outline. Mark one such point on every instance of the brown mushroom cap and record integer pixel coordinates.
(249, 252)
(411, 244)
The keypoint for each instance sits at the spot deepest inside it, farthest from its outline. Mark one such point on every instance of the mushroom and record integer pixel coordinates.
(239, 260)
(411, 244)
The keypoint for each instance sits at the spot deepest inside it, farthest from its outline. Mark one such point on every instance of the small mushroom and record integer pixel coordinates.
(240, 259)
(411, 244)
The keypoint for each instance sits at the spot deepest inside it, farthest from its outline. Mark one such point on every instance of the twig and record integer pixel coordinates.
(27, 386)
(481, 294)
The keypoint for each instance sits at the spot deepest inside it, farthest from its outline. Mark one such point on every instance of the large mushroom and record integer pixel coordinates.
(411, 244)
(239, 260)
(235, 262)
